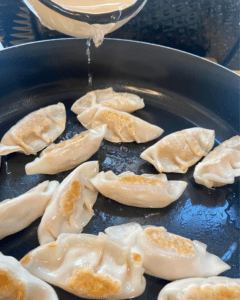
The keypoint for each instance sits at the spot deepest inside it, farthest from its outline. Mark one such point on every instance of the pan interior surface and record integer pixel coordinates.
(180, 91)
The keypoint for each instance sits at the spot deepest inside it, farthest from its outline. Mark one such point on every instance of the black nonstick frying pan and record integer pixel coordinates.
(180, 91)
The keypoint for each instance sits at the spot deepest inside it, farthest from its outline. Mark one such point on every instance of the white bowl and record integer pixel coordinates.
(65, 23)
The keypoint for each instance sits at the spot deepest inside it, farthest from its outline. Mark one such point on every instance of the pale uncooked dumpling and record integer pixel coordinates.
(166, 255)
(126, 102)
(212, 288)
(89, 266)
(220, 166)
(180, 150)
(71, 206)
(35, 131)
(16, 283)
(147, 190)
(67, 154)
(18, 213)
(121, 126)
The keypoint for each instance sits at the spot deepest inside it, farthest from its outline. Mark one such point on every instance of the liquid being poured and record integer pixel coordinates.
(112, 8)
(89, 62)
(98, 34)
(7, 171)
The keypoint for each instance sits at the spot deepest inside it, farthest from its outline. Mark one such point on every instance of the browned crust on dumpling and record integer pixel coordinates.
(10, 287)
(67, 203)
(64, 144)
(117, 118)
(218, 184)
(32, 127)
(137, 258)
(183, 246)
(184, 147)
(25, 259)
(219, 292)
(134, 179)
(52, 245)
(120, 121)
(85, 281)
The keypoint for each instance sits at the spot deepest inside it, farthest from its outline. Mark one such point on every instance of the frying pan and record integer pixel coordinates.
(180, 91)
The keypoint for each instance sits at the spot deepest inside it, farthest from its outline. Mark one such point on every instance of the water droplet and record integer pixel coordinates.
(8, 172)
(104, 217)
(213, 213)
(124, 149)
(90, 79)
(108, 161)
(230, 252)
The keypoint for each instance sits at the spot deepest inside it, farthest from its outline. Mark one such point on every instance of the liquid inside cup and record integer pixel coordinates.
(95, 6)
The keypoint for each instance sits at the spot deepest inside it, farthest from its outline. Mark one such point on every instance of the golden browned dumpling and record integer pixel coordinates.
(166, 255)
(121, 126)
(67, 154)
(180, 150)
(89, 266)
(212, 288)
(147, 190)
(220, 166)
(71, 206)
(35, 131)
(16, 283)
(126, 102)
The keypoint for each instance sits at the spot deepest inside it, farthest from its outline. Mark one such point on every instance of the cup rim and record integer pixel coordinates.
(105, 18)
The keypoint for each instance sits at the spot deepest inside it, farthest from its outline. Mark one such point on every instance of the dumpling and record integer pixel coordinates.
(166, 255)
(121, 126)
(35, 131)
(18, 213)
(67, 154)
(212, 288)
(147, 190)
(120, 101)
(89, 266)
(221, 165)
(16, 283)
(180, 150)
(71, 206)
(4, 150)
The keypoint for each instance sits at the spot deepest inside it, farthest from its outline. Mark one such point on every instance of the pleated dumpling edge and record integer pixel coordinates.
(211, 288)
(121, 126)
(126, 102)
(89, 266)
(67, 154)
(35, 131)
(180, 150)
(18, 283)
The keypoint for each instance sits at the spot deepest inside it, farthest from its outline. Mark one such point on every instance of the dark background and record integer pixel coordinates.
(208, 28)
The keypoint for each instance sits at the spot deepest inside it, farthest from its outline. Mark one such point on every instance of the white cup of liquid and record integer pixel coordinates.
(85, 18)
